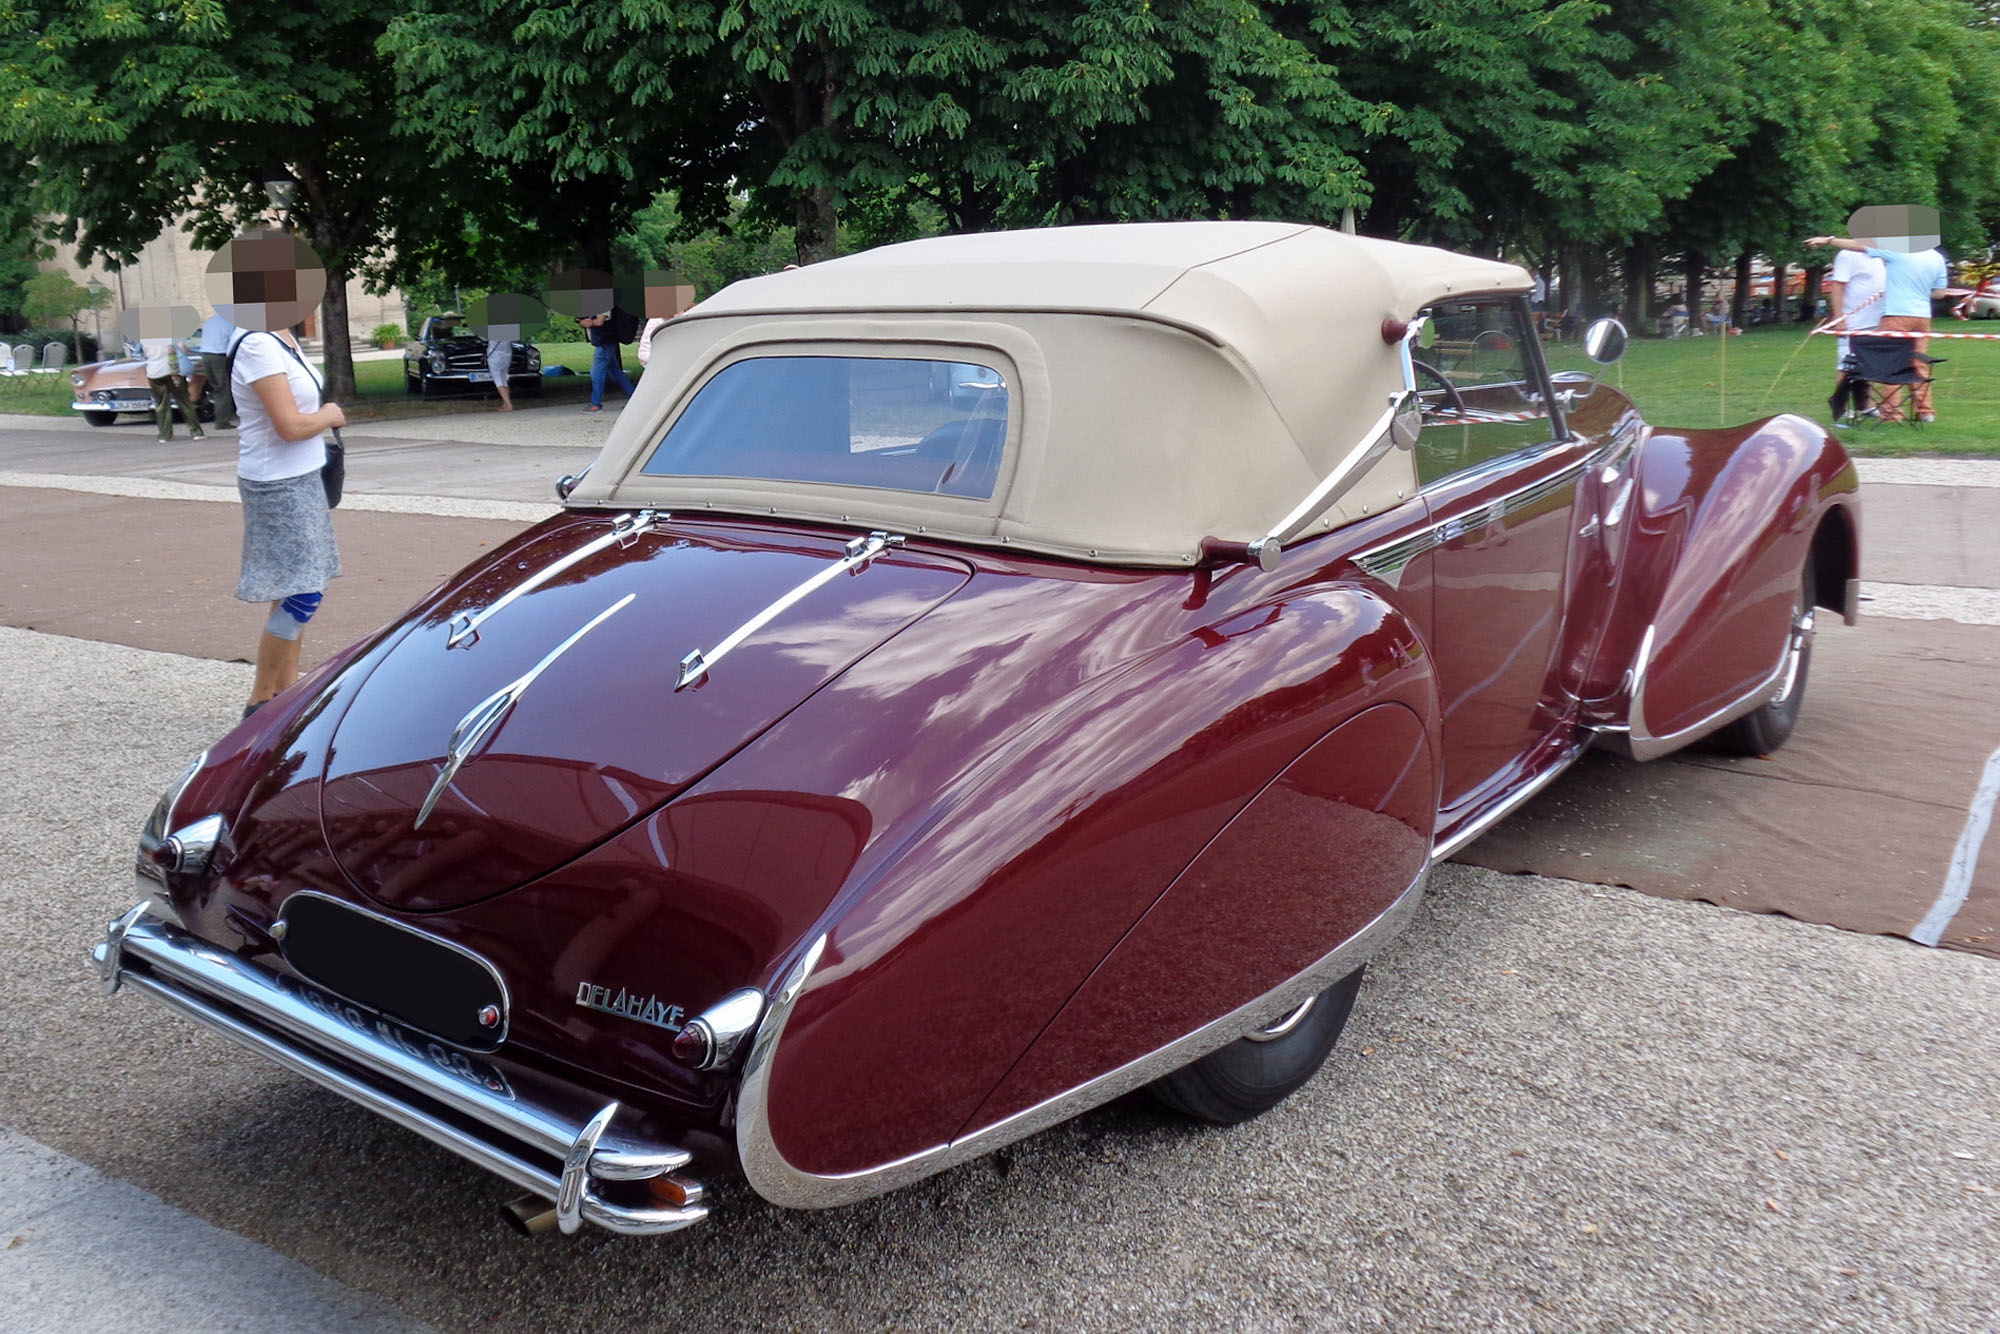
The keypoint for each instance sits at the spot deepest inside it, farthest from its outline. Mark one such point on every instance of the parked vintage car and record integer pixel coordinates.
(448, 358)
(977, 678)
(100, 390)
(1985, 301)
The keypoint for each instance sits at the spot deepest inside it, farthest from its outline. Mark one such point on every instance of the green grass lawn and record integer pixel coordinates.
(1713, 381)
(1684, 382)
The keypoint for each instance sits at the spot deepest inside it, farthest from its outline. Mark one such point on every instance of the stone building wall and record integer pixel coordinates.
(170, 269)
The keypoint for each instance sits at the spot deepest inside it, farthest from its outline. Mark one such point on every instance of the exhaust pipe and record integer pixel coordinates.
(530, 1215)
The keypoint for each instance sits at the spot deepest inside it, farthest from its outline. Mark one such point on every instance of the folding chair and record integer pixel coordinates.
(53, 357)
(1889, 364)
(15, 363)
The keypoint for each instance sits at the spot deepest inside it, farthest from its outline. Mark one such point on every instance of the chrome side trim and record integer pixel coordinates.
(483, 718)
(1520, 797)
(1640, 742)
(281, 930)
(781, 1183)
(1387, 561)
(488, 1127)
(625, 530)
(860, 553)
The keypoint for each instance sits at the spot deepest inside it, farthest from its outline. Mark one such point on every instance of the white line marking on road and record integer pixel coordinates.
(146, 488)
(1931, 602)
(1958, 880)
(1929, 472)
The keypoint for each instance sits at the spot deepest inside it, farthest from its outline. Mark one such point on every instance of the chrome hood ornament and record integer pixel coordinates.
(485, 717)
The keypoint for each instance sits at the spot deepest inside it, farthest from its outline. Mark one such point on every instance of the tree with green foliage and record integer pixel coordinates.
(135, 120)
(52, 298)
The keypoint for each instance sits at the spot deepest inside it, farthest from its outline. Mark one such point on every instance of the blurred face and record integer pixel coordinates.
(265, 281)
(157, 320)
(1904, 228)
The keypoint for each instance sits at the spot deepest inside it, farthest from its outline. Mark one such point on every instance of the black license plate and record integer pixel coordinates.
(416, 979)
(448, 1060)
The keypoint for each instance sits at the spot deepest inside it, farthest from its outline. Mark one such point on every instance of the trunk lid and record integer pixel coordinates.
(556, 722)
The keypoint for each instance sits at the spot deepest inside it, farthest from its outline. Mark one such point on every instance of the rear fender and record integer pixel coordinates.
(943, 965)
(1319, 856)
(1724, 523)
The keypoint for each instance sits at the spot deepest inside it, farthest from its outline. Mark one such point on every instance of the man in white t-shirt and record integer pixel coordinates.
(169, 389)
(1854, 294)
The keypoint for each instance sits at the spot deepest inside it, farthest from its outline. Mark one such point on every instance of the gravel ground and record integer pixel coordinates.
(1557, 1107)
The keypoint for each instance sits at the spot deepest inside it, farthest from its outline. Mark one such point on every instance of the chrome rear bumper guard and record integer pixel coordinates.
(501, 1130)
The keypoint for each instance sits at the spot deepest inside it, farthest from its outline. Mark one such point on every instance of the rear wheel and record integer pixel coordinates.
(1260, 1070)
(1763, 731)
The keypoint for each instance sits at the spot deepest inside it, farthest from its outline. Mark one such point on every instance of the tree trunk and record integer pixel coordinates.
(1697, 266)
(1809, 308)
(1779, 272)
(339, 352)
(1572, 281)
(1738, 307)
(1638, 286)
(817, 223)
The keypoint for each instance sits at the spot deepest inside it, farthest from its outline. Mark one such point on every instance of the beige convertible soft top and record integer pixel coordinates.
(1170, 381)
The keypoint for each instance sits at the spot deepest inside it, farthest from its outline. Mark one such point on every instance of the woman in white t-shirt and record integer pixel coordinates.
(288, 548)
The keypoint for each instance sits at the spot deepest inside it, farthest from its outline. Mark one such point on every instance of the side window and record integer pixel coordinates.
(1476, 377)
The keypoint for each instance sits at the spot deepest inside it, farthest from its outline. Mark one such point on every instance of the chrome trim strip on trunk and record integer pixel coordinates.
(779, 1182)
(625, 530)
(246, 1004)
(860, 553)
(483, 718)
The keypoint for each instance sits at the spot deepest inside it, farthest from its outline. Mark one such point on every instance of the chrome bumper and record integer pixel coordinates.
(427, 1088)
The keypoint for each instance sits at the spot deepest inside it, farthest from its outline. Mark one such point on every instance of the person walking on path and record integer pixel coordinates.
(1905, 240)
(216, 334)
(170, 391)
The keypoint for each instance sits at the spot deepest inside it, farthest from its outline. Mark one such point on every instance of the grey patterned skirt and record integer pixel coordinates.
(287, 538)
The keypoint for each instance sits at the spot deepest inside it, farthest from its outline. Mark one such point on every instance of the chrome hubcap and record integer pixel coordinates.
(1285, 1025)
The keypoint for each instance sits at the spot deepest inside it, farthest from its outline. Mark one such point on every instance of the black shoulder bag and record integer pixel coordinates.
(333, 474)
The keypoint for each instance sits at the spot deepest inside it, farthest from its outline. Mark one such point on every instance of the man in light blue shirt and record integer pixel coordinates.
(1905, 240)
(215, 335)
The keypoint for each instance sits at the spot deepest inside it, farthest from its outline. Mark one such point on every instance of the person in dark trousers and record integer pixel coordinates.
(215, 335)
(607, 362)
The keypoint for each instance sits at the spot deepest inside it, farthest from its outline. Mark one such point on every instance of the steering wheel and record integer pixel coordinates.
(1451, 394)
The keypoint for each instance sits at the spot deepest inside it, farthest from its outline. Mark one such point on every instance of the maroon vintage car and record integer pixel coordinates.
(979, 677)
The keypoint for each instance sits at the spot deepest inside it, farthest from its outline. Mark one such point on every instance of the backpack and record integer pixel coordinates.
(623, 325)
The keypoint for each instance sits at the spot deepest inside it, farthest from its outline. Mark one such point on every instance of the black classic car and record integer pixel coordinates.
(448, 357)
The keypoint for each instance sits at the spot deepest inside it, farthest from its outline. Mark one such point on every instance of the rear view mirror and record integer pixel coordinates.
(1604, 341)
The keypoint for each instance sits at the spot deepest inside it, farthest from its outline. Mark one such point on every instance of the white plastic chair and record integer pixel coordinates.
(53, 357)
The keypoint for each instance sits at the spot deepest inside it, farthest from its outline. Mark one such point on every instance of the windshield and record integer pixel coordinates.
(901, 423)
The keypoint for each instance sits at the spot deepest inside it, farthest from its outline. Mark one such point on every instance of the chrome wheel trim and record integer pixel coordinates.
(1795, 653)
(1284, 1025)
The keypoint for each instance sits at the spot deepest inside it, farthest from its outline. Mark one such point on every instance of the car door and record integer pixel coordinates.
(1500, 477)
